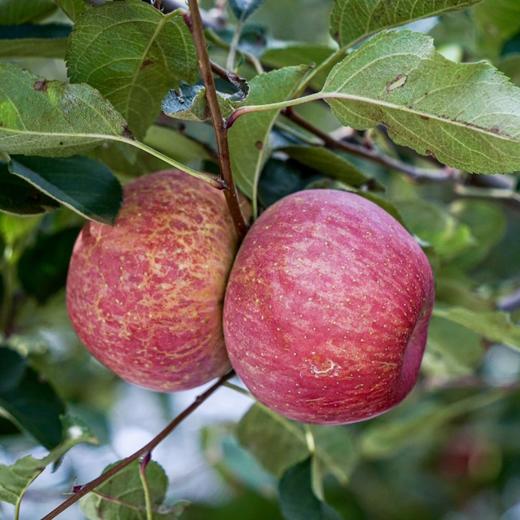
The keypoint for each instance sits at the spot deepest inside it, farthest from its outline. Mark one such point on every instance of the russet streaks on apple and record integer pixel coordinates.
(145, 295)
(327, 308)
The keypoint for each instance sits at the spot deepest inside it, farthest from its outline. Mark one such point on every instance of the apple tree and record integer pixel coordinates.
(307, 205)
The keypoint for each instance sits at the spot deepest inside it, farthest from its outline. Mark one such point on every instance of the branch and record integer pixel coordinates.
(418, 174)
(230, 191)
(143, 452)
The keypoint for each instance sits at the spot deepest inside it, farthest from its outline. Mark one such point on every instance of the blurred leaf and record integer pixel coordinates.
(494, 326)
(132, 54)
(412, 423)
(278, 443)
(13, 228)
(82, 184)
(29, 47)
(487, 223)
(297, 498)
(510, 66)
(15, 479)
(75, 8)
(52, 118)
(249, 135)
(13, 12)
(122, 496)
(497, 21)
(434, 225)
(328, 163)
(31, 402)
(352, 20)
(456, 29)
(19, 197)
(243, 9)
(452, 349)
(51, 253)
(189, 102)
(465, 115)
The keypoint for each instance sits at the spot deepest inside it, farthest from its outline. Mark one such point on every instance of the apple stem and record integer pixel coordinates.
(81, 491)
(230, 191)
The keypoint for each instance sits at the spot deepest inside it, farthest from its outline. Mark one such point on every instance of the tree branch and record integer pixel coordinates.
(418, 174)
(142, 452)
(219, 126)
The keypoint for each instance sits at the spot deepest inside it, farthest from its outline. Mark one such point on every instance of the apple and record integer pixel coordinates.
(145, 295)
(327, 308)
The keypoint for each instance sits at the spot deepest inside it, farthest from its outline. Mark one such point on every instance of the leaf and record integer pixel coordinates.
(14, 12)
(31, 402)
(243, 9)
(33, 47)
(434, 225)
(189, 103)
(399, 428)
(132, 54)
(352, 20)
(278, 443)
(497, 21)
(452, 349)
(51, 253)
(328, 163)
(14, 228)
(297, 498)
(15, 479)
(40, 117)
(494, 326)
(249, 136)
(510, 66)
(19, 197)
(465, 115)
(122, 496)
(79, 183)
(74, 8)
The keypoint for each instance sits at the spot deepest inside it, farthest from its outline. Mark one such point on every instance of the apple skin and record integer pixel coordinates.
(145, 295)
(327, 308)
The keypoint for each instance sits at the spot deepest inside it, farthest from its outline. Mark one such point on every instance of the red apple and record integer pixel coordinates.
(145, 295)
(327, 308)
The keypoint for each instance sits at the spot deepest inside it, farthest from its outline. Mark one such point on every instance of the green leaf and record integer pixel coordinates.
(243, 9)
(510, 66)
(189, 103)
(249, 136)
(33, 47)
(122, 496)
(433, 224)
(82, 184)
(14, 227)
(465, 115)
(32, 403)
(19, 197)
(51, 253)
(494, 326)
(14, 12)
(352, 20)
(297, 498)
(132, 54)
(497, 21)
(39, 117)
(73, 8)
(15, 479)
(398, 429)
(328, 163)
(278, 443)
(452, 349)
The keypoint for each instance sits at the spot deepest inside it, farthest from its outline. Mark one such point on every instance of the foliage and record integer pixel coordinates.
(343, 94)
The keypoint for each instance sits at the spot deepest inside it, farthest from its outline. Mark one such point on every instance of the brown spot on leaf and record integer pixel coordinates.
(127, 132)
(146, 63)
(259, 145)
(398, 82)
(495, 130)
(41, 85)
(426, 118)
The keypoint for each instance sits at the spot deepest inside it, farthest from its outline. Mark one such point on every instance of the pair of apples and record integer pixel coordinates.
(323, 313)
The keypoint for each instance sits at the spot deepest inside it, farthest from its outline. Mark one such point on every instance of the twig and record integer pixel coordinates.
(230, 190)
(144, 451)
(418, 174)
